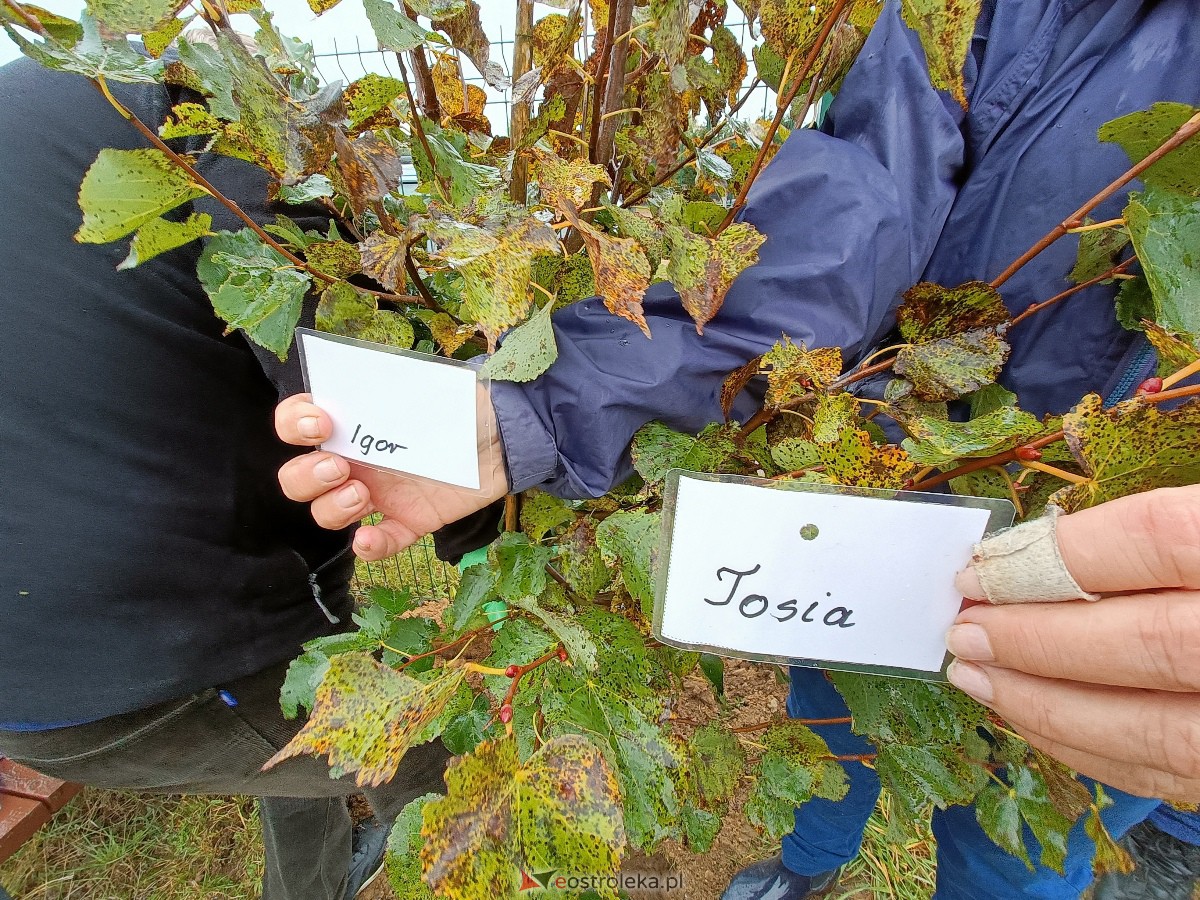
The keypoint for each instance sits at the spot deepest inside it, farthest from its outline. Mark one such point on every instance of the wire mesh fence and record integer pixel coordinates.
(417, 568)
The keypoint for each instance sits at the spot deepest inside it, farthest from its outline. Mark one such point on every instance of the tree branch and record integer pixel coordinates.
(522, 64)
(769, 139)
(1186, 132)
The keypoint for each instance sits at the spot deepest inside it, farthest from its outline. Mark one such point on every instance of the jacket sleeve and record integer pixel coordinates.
(851, 217)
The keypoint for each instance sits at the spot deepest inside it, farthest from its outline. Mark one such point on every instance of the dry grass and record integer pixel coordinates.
(110, 845)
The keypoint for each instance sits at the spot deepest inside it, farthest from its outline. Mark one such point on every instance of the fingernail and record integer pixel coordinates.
(970, 642)
(348, 497)
(361, 544)
(309, 427)
(329, 470)
(970, 680)
(967, 583)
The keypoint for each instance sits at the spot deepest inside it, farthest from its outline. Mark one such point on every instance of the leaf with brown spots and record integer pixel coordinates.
(383, 259)
(1174, 353)
(1141, 133)
(736, 381)
(369, 167)
(367, 716)
(794, 371)
(369, 102)
(945, 28)
(620, 268)
(930, 311)
(558, 811)
(565, 182)
(702, 269)
(853, 460)
(496, 267)
(336, 258)
(449, 334)
(553, 42)
(467, 35)
(1129, 448)
(948, 368)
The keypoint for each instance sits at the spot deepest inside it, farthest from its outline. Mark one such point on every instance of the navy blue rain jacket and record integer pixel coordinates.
(903, 186)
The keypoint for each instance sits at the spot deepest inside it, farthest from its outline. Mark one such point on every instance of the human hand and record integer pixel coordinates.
(1111, 687)
(341, 492)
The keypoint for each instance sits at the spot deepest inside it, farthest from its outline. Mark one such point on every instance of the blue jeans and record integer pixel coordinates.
(970, 866)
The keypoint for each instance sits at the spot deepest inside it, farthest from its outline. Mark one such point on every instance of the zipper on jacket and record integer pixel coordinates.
(1134, 375)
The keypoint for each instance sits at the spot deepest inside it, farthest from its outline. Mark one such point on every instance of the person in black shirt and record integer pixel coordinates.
(154, 582)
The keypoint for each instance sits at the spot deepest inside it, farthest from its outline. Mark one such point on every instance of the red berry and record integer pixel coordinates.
(1150, 386)
(1030, 453)
(562, 654)
(512, 671)
(506, 713)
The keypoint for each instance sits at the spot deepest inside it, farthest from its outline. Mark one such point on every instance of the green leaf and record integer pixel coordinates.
(930, 311)
(404, 844)
(700, 828)
(134, 16)
(1135, 304)
(646, 766)
(933, 773)
(477, 585)
(948, 368)
(630, 539)
(796, 767)
(468, 181)
(989, 399)
(157, 41)
(718, 762)
(367, 716)
(894, 710)
(160, 235)
(579, 645)
(92, 55)
(713, 668)
(124, 189)
(560, 810)
(299, 688)
(394, 30)
(795, 454)
(1166, 235)
(1141, 133)
(1174, 353)
(657, 449)
(312, 188)
(1129, 448)
(999, 816)
(835, 413)
(1099, 251)
(62, 30)
(254, 288)
(526, 352)
(567, 182)
(945, 28)
(521, 566)
(467, 730)
(935, 442)
(542, 513)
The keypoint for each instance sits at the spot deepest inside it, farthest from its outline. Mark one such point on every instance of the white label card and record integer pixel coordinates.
(402, 411)
(798, 575)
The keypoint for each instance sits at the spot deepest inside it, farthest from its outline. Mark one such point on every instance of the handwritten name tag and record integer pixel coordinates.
(399, 410)
(812, 575)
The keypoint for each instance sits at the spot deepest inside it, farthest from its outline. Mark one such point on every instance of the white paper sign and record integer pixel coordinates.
(407, 412)
(762, 572)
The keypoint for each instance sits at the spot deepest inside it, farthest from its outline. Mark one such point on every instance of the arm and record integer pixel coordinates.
(851, 218)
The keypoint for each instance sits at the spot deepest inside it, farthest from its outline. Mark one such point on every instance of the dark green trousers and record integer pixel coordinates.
(204, 745)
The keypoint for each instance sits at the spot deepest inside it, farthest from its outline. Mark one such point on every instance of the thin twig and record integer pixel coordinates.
(1185, 133)
(1071, 291)
(438, 177)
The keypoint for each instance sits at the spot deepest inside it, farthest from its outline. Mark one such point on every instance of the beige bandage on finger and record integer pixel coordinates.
(1024, 565)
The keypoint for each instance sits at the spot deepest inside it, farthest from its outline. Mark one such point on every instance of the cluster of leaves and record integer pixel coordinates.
(623, 165)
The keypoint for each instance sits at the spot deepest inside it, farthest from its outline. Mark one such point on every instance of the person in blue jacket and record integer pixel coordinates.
(906, 186)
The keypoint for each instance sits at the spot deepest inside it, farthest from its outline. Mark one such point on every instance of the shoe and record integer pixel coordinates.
(1167, 868)
(772, 880)
(369, 848)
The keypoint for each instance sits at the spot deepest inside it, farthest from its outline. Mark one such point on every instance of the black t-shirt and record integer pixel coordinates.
(146, 550)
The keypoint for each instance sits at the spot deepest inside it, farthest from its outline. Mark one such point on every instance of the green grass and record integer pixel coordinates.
(109, 845)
